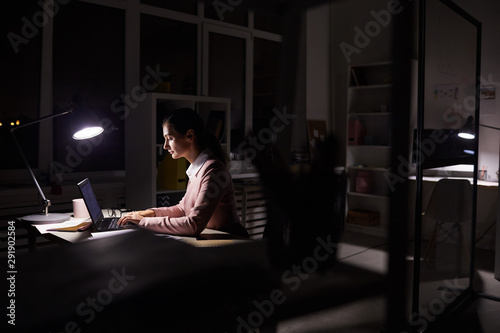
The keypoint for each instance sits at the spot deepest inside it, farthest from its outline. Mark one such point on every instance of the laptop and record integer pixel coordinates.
(100, 222)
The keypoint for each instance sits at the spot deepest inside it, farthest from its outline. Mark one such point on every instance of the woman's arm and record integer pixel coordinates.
(137, 216)
(200, 207)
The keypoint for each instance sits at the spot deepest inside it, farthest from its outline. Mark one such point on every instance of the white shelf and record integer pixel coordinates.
(374, 230)
(370, 114)
(384, 147)
(368, 102)
(371, 86)
(168, 191)
(369, 196)
(357, 168)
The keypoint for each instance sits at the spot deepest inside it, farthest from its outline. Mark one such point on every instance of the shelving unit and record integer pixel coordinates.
(368, 151)
(252, 209)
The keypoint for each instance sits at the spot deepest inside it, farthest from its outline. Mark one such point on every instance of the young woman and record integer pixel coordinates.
(209, 201)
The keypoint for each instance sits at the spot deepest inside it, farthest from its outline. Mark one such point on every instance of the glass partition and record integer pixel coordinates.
(446, 163)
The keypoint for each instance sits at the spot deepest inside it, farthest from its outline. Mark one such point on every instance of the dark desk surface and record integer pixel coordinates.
(138, 282)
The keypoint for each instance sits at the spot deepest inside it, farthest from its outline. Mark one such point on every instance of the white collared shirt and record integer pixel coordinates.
(197, 164)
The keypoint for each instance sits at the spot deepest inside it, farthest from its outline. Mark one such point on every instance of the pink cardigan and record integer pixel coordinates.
(208, 203)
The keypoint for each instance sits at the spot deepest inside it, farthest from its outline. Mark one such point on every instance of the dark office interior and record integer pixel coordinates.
(366, 208)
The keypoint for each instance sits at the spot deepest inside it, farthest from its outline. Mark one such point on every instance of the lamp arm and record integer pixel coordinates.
(496, 128)
(68, 110)
(46, 202)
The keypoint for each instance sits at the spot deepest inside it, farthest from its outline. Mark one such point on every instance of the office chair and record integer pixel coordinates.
(450, 203)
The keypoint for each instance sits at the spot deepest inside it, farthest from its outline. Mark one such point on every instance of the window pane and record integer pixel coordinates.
(223, 11)
(169, 46)
(19, 84)
(268, 22)
(265, 83)
(185, 6)
(89, 60)
(227, 78)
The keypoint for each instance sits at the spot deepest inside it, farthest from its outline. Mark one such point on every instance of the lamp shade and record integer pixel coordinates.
(84, 123)
(467, 131)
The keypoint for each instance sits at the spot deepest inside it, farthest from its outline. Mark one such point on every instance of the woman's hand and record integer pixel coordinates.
(136, 216)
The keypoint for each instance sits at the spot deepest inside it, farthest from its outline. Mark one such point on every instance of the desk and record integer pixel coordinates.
(140, 282)
(208, 237)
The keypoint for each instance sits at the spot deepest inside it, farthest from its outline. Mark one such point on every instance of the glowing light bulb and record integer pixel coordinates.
(88, 133)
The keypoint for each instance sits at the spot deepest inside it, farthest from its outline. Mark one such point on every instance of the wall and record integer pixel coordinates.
(318, 63)
(314, 88)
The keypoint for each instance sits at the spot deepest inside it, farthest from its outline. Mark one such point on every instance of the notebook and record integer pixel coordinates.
(100, 222)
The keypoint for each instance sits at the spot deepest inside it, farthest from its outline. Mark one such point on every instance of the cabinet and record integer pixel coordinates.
(368, 148)
(144, 142)
(252, 208)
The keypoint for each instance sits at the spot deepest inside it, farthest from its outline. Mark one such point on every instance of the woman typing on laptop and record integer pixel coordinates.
(209, 200)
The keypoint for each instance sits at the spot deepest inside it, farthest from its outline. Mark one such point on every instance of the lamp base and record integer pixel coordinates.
(46, 218)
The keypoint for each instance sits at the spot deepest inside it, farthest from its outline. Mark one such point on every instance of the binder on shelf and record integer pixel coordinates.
(172, 173)
(364, 182)
(216, 123)
(356, 132)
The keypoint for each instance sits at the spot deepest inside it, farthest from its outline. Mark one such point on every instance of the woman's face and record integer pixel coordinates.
(177, 144)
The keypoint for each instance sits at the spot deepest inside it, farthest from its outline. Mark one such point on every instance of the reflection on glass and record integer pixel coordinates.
(446, 226)
(447, 204)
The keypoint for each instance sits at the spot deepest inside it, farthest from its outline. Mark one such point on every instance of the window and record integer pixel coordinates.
(266, 67)
(224, 11)
(88, 59)
(226, 77)
(19, 84)
(268, 22)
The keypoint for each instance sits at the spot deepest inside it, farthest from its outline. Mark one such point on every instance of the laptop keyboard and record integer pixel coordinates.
(113, 223)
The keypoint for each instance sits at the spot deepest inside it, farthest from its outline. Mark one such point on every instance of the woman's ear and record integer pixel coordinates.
(190, 134)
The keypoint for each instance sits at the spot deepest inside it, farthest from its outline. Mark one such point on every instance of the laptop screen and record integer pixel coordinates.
(90, 200)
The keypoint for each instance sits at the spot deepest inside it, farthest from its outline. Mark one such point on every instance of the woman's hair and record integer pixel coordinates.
(185, 119)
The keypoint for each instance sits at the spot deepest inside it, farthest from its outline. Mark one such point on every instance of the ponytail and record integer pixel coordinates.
(185, 119)
(208, 140)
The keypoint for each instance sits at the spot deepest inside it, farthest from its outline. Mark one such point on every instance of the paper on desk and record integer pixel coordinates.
(169, 236)
(109, 233)
(42, 228)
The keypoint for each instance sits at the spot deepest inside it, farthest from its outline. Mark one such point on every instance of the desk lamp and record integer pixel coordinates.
(467, 131)
(85, 127)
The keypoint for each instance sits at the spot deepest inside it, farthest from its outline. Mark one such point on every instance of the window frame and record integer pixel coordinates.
(133, 10)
